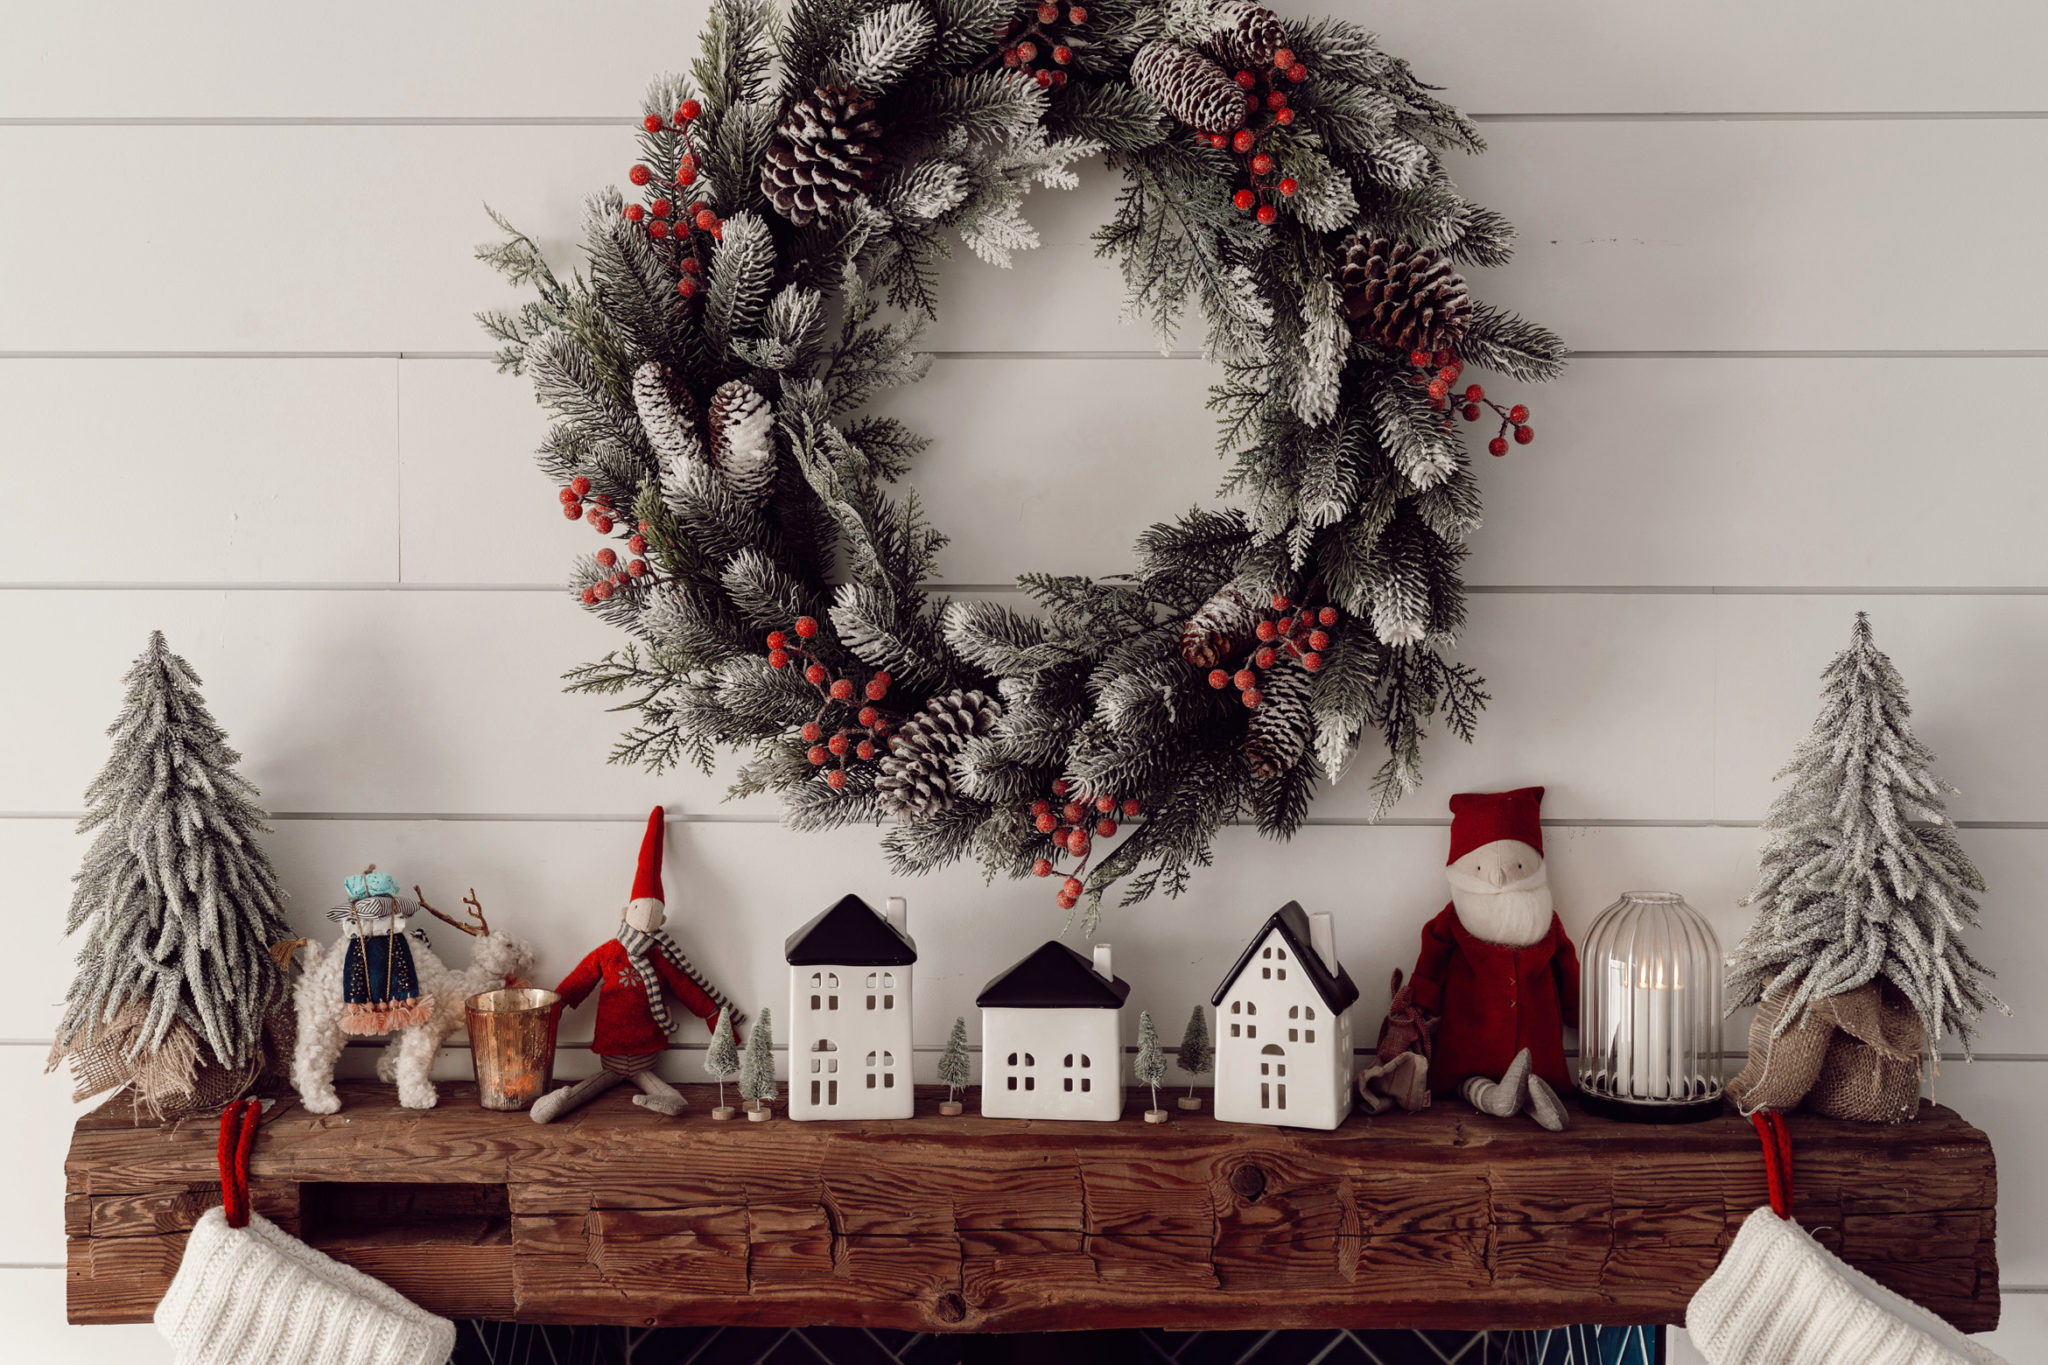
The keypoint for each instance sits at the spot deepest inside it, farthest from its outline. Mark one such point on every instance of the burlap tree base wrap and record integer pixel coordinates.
(1854, 1056)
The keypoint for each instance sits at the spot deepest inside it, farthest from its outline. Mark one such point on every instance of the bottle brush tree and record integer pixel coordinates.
(1196, 1056)
(953, 1072)
(1150, 1068)
(1862, 876)
(177, 903)
(757, 1065)
(722, 1058)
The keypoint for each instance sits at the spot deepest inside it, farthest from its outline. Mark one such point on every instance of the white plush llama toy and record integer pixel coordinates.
(376, 958)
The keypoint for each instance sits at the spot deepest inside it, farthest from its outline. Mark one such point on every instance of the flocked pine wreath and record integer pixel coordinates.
(708, 373)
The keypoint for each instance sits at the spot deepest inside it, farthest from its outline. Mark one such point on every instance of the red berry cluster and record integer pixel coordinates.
(1266, 106)
(1447, 367)
(1039, 41)
(1070, 820)
(601, 515)
(1283, 635)
(849, 727)
(661, 217)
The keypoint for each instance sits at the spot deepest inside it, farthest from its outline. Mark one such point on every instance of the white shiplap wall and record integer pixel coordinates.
(237, 318)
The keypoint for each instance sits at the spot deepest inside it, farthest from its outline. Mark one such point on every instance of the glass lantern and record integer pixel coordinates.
(1650, 1012)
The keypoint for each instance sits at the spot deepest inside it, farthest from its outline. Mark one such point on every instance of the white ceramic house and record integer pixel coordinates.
(1283, 1027)
(849, 1013)
(1052, 1038)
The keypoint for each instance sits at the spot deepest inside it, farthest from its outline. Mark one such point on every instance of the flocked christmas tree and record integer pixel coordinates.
(1862, 875)
(757, 1064)
(177, 904)
(722, 1058)
(1150, 1067)
(1196, 1056)
(953, 1072)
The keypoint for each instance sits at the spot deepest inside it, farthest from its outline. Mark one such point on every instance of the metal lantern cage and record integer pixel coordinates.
(1650, 1012)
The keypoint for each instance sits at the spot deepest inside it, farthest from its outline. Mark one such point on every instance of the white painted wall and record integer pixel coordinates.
(242, 398)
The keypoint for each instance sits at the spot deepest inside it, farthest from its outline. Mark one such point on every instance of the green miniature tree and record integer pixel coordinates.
(953, 1062)
(722, 1058)
(1151, 1065)
(757, 1065)
(1196, 1056)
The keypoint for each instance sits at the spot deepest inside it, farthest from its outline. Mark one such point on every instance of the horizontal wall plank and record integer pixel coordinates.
(40, 1115)
(559, 886)
(450, 702)
(526, 59)
(1647, 472)
(32, 1306)
(1638, 235)
(205, 470)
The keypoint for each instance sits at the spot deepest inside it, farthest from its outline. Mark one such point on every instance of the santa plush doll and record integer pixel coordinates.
(1496, 980)
(629, 972)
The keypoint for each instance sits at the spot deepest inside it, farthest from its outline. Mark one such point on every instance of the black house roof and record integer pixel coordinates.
(1291, 920)
(1053, 977)
(850, 934)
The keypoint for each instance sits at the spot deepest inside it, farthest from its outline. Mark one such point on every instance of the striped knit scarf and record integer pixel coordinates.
(640, 946)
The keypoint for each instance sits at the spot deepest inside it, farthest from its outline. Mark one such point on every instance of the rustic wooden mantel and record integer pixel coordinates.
(1445, 1218)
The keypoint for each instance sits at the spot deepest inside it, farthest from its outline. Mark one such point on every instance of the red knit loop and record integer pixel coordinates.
(237, 1136)
(1777, 1139)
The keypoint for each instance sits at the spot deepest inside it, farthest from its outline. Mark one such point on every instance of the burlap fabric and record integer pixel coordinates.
(1854, 1056)
(178, 1077)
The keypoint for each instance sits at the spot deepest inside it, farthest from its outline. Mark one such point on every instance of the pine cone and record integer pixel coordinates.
(1192, 88)
(1278, 735)
(1401, 295)
(1250, 45)
(743, 440)
(916, 779)
(826, 148)
(668, 414)
(1221, 628)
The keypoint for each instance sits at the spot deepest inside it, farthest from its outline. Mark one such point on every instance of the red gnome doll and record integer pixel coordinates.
(1496, 968)
(628, 972)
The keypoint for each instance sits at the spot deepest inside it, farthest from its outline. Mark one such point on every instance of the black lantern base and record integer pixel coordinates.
(1628, 1111)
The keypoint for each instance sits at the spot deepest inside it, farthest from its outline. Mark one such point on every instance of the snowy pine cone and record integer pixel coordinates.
(824, 152)
(668, 414)
(1252, 41)
(916, 779)
(1278, 735)
(1401, 295)
(1221, 628)
(743, 440)
(1191, 87)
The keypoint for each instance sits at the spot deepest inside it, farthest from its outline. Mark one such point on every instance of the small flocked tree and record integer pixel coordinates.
(1862, 874)
(1196, 1056)
(722, 1058)
(177, 903)
(953, 1072)
(1150, 1068)
(757, 1065)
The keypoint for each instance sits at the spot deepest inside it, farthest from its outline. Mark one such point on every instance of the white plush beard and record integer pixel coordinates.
(1515, 915)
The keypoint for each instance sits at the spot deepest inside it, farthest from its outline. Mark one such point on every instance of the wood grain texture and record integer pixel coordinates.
(1439, 1219)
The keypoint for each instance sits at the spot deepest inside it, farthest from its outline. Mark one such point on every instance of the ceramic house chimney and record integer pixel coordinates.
(1102, 968)
(896, 910)
(1322, 936)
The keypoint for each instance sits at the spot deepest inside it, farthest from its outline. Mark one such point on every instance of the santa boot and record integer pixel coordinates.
(1541, 1103)
(1500, 1098)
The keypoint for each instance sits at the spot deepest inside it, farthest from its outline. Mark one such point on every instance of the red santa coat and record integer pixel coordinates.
(1495, 1000)
(625, 1025)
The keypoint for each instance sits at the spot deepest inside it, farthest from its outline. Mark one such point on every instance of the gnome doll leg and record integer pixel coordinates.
(1500, 1099)
(556, 1103)
(660, 1096)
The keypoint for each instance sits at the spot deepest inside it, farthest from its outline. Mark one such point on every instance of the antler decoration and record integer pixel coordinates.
(476, 912)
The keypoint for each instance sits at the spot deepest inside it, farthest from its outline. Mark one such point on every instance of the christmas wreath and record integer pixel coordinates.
(709, 368)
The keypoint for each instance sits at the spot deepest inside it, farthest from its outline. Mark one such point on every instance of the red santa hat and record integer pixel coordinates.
(647, 876)
(1479, 818)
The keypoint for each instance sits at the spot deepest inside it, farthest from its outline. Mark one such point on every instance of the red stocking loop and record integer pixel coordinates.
(1777, 1139)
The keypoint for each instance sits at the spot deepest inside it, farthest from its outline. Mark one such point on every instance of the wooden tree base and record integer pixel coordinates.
(1446, 1218)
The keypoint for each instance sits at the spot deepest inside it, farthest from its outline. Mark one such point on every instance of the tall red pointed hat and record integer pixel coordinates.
(1479, 818)
(647, 876)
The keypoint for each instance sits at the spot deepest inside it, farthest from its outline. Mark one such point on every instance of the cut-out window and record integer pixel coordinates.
(1294, 1035)
(1282, 972)
(1237, 1007)
(1251, 1030)
(1294, 1011)
(1266, 973)
(888, 1002)
(888, 981)
(1309, 1035)
(1236, 1029)
(831, 1002)
(1280, 953)
(1250, 1007)
(1267, 954)
(872, 978)
(871, 1002)
(1311, 1012)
